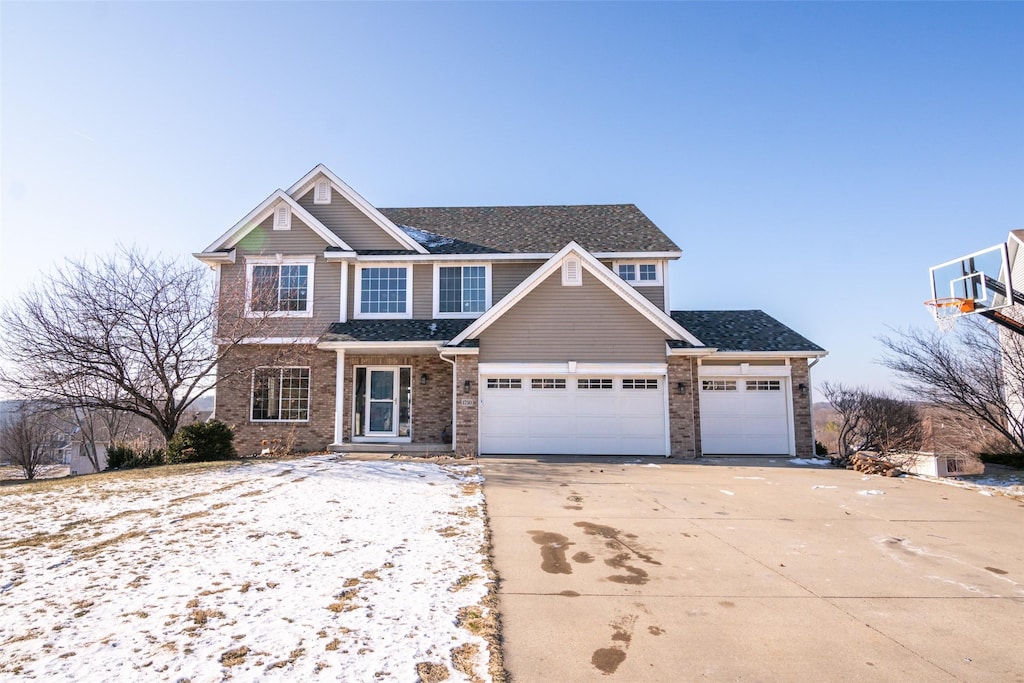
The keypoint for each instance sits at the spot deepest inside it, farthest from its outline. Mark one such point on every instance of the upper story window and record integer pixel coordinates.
(280, 286)
(384, 292)
(461, 291)
(639, 273)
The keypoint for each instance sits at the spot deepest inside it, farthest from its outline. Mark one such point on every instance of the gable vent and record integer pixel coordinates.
(283, 217)
(572, 272)
(322, 193)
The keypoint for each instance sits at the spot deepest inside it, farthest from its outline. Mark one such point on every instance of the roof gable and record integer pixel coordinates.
(253, 219)
(602, 274)
(306, 182)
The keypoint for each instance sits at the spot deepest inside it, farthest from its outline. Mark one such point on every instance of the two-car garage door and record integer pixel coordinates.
(573, 415)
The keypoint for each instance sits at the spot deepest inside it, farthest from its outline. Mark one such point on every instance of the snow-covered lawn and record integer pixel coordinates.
(289, 570)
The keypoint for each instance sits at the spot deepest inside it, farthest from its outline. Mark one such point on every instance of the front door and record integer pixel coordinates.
(382, 405)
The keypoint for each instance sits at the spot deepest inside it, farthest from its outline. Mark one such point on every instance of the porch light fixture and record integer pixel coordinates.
(423, 378)
(466, 386)
(802, 387)
(681, 386)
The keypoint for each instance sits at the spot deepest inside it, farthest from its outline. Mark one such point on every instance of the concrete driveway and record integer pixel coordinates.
(751, 569)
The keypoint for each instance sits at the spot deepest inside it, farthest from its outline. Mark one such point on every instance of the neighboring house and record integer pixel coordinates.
(513, 329)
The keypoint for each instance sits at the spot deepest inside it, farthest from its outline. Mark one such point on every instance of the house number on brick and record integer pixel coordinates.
(467, 402)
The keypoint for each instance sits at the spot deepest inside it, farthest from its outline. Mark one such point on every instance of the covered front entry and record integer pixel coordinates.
(573, 414)
(745, 416)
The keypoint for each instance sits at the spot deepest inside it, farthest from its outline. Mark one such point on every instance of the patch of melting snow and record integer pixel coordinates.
(259, 574)
(728, 493)
(823, 486)
(808, 461)
(872, 492)
(754, 478)
(426, 238)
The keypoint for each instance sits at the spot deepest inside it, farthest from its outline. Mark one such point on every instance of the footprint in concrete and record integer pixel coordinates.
(607, 659)
(655, 630)
(583, 557)
(552, 551)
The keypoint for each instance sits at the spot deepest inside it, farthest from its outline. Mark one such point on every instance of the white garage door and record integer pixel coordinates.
(748, 416)
(572, 415)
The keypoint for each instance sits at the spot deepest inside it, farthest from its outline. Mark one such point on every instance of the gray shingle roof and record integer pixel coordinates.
(535, 229)
(395, 330)
(741, 331)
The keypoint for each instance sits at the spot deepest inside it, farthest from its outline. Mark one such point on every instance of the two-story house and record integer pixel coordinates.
(506, 329)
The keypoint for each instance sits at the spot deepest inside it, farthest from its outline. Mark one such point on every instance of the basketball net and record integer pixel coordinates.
(946, 311)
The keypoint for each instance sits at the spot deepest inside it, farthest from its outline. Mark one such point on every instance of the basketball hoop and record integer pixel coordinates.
(947, 310)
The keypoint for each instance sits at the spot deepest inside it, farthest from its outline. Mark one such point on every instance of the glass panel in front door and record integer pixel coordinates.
(381, 419)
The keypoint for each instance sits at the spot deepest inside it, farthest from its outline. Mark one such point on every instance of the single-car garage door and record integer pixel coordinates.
(745, 416)
(572, 415)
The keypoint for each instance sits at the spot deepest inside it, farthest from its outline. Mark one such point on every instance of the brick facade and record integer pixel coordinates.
(467, 432)
(683, 421)
(234, 398)
(803, 424)
(431, 402)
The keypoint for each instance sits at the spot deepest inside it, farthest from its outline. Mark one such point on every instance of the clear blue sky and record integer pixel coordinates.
(812, 160)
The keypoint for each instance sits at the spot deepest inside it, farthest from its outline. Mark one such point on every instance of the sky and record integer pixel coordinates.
(811, 159)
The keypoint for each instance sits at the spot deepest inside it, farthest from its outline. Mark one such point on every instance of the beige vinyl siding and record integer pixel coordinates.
(735, 363)
(588, 323)
(265, 241)
(506, 276)
(349, 223)
(656, 295)
(422, 291)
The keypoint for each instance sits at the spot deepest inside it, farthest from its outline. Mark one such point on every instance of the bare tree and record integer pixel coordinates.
(129, 333)
(27, 439)
(873, 420)
(973, 372)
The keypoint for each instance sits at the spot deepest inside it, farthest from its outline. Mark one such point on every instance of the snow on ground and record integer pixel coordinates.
(287, 570)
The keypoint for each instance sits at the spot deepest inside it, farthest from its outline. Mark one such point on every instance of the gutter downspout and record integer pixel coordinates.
(454, 395)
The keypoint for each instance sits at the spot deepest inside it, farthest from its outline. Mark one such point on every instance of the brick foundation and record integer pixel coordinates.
(467, 432)
(683, 420)
(234, 398)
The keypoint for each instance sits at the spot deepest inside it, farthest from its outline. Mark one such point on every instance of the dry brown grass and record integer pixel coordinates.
(234, 657)
(431, 672)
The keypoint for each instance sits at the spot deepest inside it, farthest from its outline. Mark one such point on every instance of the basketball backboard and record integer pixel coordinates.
(974, 283)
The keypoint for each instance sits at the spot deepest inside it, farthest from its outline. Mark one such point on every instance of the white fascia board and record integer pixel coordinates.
(749, 371)
(216, 257)
(460, 351)
(695, 351)
(342, 188)
(502, 256)
(266, 207)
(738, 356)
(339, 255)
(598, 270)
(637, 255)
(309, 341)
(403, 346)
(573, 368)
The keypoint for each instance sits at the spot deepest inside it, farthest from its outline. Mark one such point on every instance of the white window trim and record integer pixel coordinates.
(357, 295)
(279, 368)
(437, 288)
(279, 260)
(659, 269)
(324, 185)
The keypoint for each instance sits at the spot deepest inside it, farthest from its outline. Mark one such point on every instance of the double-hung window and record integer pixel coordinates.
(384, 292)
(280, 288)
(639, 273)
(280, 395)
(461, 291)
